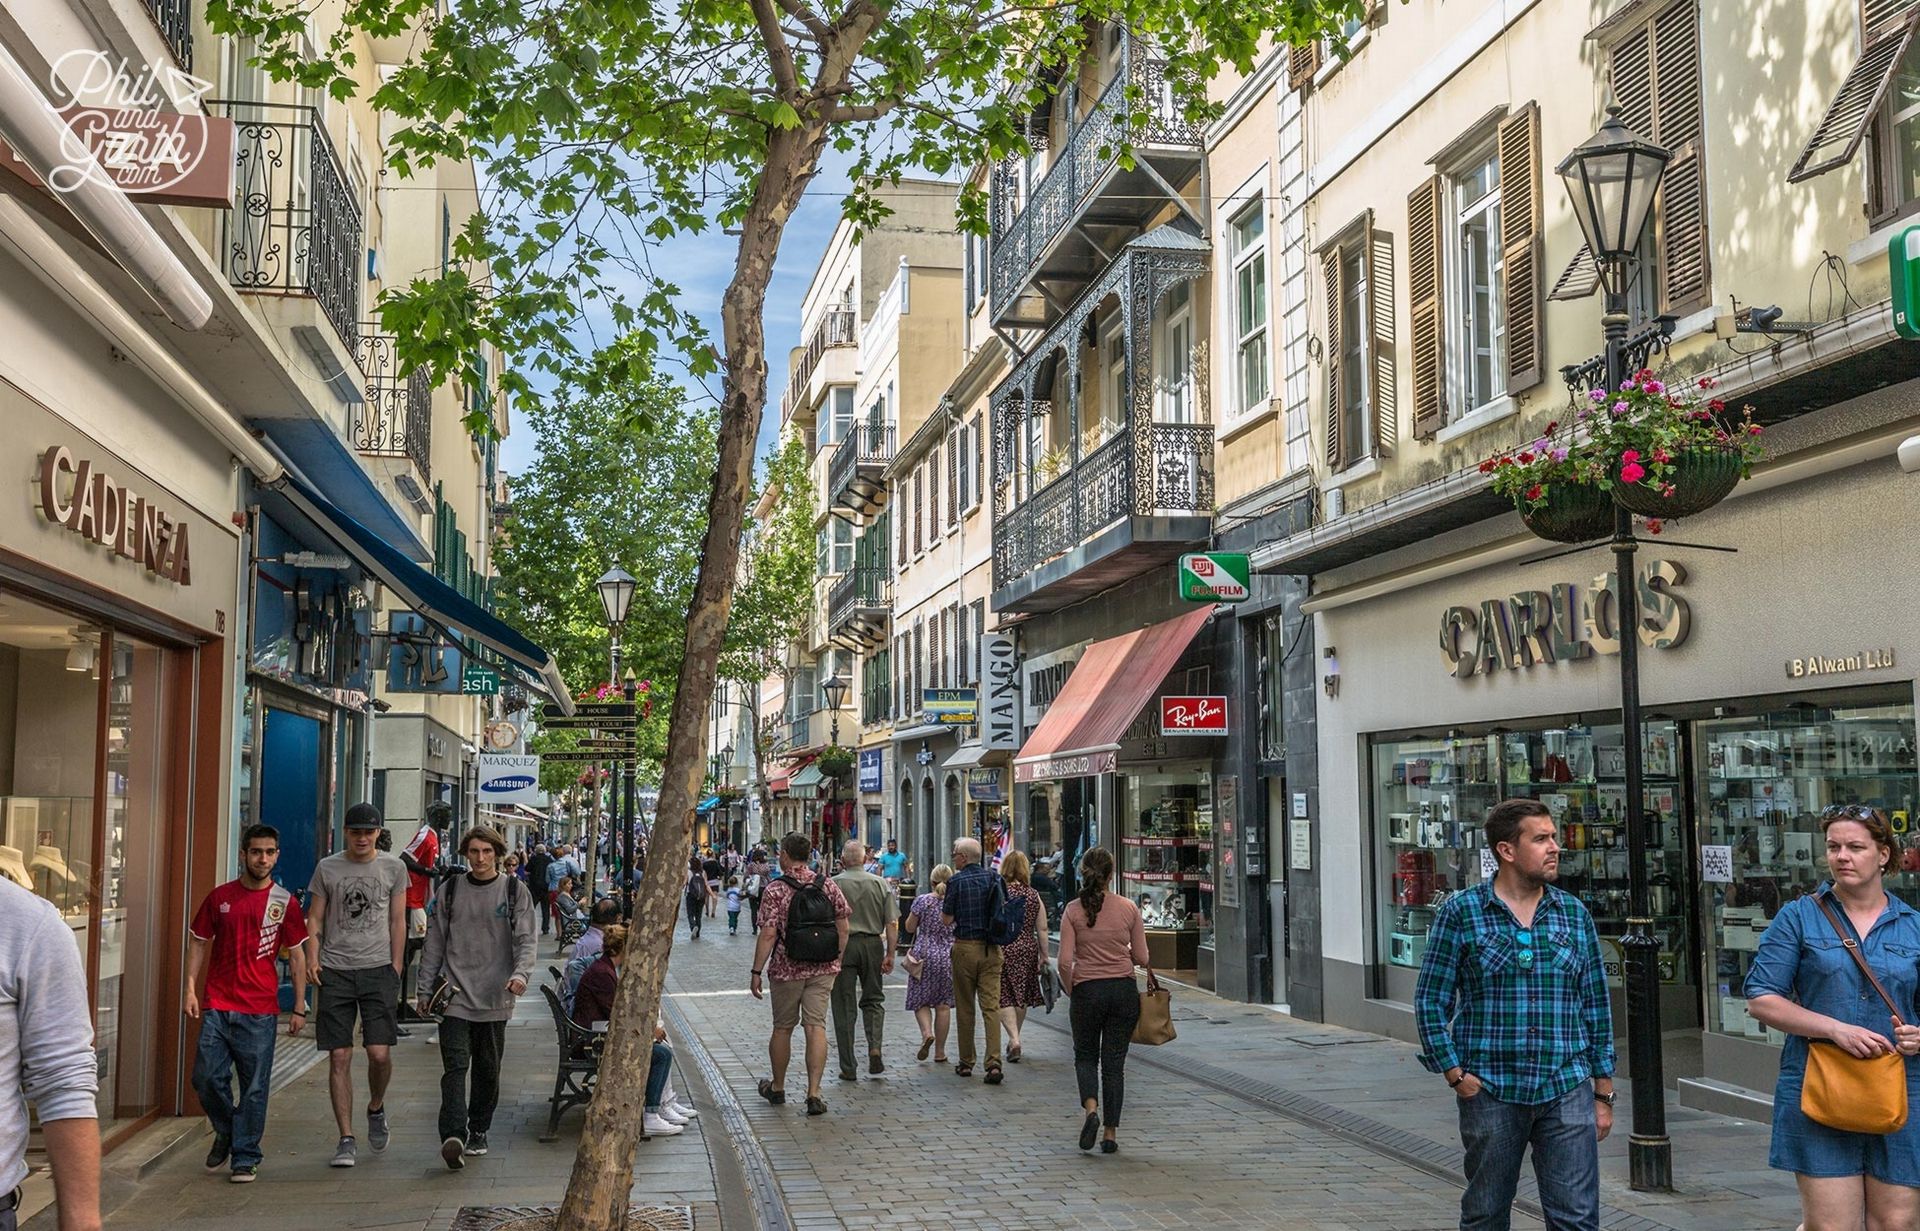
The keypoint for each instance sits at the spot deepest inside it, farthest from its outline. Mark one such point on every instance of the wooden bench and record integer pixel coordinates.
(579, 1064)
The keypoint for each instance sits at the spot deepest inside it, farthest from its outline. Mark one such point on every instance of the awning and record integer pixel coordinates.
(707, 805)
(1109, 686)
(426, 594)
(971, 755)
(806, 783)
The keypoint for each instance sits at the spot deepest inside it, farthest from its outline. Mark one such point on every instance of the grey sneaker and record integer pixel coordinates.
(377, 1134)
(451, 1151)
(476, 1143)
(241, 1175)
(344, 1154)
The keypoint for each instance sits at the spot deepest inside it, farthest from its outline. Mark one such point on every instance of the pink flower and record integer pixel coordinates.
(1753, 429)
(1596, 395)
(1632, 472)
(1661, 455)
(1653, 386)
(1666, 489)
(1631, 455)
(1619, 408)
(1653, 525)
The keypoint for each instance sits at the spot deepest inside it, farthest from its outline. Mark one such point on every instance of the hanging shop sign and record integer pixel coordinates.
(872, 771)
(93, 504)
(502, 735)
(1000, 711)
(984, 785)
(156, 157)
(509, 779)
(1193, 715)
(478, 680)
(418, 660)
(1072, 765)
(1216, 577)
(950, 707)
(1565, 624)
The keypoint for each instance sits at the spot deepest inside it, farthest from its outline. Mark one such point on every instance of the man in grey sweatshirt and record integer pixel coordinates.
(481, 940)
(46, 1058)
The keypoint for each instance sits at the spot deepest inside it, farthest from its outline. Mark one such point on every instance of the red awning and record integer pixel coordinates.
(777, 783)
(1109, 686)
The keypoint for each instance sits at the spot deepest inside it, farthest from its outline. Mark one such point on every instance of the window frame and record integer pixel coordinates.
(1175, 322)
(1356, 333)
(1882, 152)
(1462, 399)
(1241, 258)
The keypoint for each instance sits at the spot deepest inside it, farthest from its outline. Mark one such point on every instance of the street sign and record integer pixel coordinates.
(602, 745)
(588, 758)
(597, 709)
(950, 707)
(1903, 268)
(477, 680)
(1216, 577)
(586, 724)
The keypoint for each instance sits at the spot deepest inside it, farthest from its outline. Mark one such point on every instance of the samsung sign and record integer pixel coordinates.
(509, 779)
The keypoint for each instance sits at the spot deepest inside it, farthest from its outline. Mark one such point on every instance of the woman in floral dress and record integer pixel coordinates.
(1021, 960)
(930, 966)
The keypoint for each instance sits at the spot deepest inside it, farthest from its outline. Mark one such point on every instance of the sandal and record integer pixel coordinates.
(1013, 1054)
(816, 1106)
(926, 1045)
(963, 1069)
(939, 1059)
(994, 1073)
(767, 1092)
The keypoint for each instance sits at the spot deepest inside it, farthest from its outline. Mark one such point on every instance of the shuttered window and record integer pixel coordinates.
(1302, 63)
(1657, 82)
(1358, 277)
(1886, 28)
(934, 526)
(1427, 318)
(1521, 248)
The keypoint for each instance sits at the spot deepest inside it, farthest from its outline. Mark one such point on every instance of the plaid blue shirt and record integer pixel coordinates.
(1529, 1029)
(972, 894)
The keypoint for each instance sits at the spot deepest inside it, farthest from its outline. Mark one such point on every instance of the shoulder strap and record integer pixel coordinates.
(1859, 959)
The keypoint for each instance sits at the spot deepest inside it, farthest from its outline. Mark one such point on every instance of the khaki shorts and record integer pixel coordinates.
(798, 1002)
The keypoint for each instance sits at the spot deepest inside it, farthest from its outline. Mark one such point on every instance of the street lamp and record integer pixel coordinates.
(1612, 178)
(629, 687)
(616, 587)
(835, 691)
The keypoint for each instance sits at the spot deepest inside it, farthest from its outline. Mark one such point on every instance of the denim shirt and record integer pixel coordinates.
(1803, 959)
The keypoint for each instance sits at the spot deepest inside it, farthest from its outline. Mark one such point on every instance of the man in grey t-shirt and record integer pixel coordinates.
(356, 940)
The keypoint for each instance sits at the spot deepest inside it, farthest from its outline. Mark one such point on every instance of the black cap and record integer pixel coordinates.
(364, 816)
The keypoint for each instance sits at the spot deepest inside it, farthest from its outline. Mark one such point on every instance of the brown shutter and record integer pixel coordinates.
(1330, 265)
(1521, 258)
(1425, 316)
(1579, 279)
(1303, 61)
(1631, 77)
(1877, 14)
(1686, 284)
(1382, 371)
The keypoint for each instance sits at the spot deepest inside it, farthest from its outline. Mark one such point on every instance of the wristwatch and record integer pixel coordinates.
(1455, 1083)
(1606, 1098)
(758, 973)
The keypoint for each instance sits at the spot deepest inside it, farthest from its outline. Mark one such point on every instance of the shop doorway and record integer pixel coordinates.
(291, 798)
(1278, 864)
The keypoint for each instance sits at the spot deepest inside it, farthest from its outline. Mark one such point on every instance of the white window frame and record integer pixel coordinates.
(1357, 373)
(1114, 376)
(1242, 259)
(1462, 396)
(1174, 399)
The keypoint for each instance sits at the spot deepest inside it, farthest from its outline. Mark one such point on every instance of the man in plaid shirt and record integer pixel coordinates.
(1513, 1010)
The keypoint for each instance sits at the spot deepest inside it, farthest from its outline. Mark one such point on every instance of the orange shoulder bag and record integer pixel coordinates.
(1840, 1089)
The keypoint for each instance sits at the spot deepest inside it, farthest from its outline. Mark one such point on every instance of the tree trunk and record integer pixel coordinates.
(598, 1192)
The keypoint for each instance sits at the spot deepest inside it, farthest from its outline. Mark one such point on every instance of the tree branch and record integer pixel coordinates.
(779, 55)
(820, 30)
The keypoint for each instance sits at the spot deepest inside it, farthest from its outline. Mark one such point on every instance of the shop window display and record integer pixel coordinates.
(1763, 781)
(1166, 858)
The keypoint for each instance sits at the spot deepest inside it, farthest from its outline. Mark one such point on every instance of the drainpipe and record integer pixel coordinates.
(44, 143)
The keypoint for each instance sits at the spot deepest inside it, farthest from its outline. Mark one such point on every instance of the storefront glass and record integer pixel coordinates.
(1166, 859)
(1763, 781)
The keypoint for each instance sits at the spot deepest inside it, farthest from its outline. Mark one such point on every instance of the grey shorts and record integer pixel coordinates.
(371, 994)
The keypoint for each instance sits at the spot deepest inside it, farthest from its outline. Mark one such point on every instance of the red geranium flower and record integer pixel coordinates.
(1535, 492)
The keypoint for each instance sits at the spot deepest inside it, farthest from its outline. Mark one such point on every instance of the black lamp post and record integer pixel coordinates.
(616, 587)
(628, 687)
(835, 691)
(1612, 178)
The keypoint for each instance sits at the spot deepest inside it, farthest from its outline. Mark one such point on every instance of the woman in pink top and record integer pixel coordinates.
(1101, 941)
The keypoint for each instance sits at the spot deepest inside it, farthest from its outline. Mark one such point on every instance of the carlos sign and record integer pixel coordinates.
(1565, 624)
(93, 504)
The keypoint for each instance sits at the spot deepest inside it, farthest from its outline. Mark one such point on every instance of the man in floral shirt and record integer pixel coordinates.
(800, 989)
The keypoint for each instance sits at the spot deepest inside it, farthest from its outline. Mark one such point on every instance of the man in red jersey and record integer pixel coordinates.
(422, 858)
(238, 933)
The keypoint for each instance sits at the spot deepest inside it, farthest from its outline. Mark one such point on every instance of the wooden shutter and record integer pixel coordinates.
(1426, 317)
(1876, 15)
(1303, 61)
(953, 476)
(1579, 279)
(976, 453)
(1521, 255)
(1383, 373)
(1686, 284)
(1330, 266)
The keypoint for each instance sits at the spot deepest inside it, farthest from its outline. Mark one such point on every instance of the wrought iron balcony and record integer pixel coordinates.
(836, 328)
(856, 487)
(396, 417)
(1042, 238)
(859, 607)
(295, 227)
(175, 19)
(1071, 523)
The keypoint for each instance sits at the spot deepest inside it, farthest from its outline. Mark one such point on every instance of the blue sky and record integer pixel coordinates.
(701, 265)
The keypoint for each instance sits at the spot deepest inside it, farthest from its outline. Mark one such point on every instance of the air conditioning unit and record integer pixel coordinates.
(1333, 504)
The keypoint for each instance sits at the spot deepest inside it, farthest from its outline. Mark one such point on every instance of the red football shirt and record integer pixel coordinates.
(248, 928)
(425, 849)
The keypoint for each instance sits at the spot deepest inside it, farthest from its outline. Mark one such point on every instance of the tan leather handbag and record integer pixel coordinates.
(1156, 1015)
(1841, 1090)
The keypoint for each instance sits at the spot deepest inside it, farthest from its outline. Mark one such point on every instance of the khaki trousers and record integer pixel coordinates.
(976, 973)
(859, 989)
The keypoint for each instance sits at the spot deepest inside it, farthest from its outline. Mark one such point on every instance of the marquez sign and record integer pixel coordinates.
(93, 504)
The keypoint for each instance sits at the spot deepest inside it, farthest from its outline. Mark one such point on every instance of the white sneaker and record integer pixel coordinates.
(684, 1110)
(657, 1126)
(671, 1114)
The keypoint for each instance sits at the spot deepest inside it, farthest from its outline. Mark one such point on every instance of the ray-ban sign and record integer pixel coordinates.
(1193, 715)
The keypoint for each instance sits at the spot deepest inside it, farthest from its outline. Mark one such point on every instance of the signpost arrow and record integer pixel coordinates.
(597, 709)
(588, 758)
(587, 724)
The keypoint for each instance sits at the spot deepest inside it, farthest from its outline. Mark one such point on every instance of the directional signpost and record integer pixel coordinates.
(612, 720)
(1216, 577)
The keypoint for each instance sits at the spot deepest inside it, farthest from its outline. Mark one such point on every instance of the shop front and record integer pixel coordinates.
(1776, 682)
(929, 808)
(870, 779)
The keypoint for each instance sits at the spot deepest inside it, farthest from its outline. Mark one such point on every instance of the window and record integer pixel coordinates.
(1247, 244)
(973, 463)
(1900, 178)
(1176, 357)
(1479, 341)
(919, 495)
(1350, 405)
(978, 270)
(834, 547)
(956, 474)
(1116, 382)
(1037, 413)
(934, 524)
(837, 422)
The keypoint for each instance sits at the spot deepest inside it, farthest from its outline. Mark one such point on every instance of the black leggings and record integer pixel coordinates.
(1103, 1014)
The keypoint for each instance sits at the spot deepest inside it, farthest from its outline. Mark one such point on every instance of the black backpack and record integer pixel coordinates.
(813, 934)
(445, 898)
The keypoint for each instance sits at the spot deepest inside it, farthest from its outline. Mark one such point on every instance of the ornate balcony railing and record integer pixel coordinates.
(295, 227)
(1021, 236)
(175, 19)
(836, 328)
(396, 417)
(859, 603)
(854, 480)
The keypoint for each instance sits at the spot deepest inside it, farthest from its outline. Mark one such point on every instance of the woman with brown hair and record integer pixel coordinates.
(593, 1005)
(1021, 960)
(1101, 940)
(1805, 982)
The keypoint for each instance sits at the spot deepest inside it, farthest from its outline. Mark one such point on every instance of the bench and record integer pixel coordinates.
(578, 1067)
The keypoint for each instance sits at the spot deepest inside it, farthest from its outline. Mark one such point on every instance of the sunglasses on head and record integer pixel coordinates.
(1851, 812)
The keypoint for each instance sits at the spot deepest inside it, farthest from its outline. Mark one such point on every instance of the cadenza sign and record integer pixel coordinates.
(1193, 715)
(94, 505)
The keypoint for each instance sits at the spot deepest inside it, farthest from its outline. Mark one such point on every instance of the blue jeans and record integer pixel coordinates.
(657, 1074)
(236, 1044)
(1566, 1160)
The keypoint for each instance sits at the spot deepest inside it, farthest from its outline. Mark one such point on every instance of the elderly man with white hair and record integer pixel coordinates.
(871, 927)
(973, 895)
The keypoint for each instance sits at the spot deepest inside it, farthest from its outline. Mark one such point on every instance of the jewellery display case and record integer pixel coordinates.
(1165, 860)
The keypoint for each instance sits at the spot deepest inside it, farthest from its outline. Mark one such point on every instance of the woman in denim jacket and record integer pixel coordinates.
(1804, 983)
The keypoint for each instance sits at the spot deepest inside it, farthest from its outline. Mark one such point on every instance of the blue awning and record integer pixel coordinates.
(425, 593)
(328, 465)
(708, 804)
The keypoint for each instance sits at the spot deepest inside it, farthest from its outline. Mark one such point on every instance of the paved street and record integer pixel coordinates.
(1250, 1118)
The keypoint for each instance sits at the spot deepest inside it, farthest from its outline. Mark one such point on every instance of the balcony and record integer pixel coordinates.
(396, 417)
(856, 486)
(836, 328)
(860, 606)
(1125, 490)
(295, 228)
(175, 19)
(1057, 236)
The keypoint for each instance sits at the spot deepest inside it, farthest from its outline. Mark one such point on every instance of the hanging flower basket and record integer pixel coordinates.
(835, 762)
(1696, 481)
(1571, 513)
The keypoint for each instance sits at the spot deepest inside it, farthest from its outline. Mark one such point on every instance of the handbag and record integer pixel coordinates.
(1049, 984)
(1843, 1091)
(1156, 1015)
